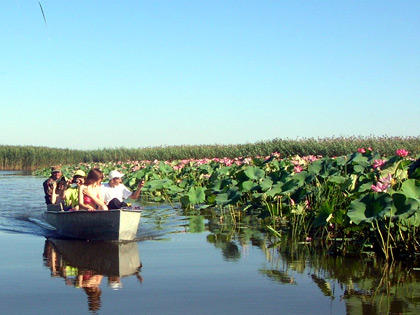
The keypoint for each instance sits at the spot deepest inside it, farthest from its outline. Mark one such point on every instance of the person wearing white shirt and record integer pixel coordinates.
(115, 192)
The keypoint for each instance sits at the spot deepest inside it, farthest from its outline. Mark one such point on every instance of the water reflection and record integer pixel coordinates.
(85, 264)
(367, 285)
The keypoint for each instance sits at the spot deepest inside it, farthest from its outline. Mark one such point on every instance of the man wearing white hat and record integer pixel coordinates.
(115, 191)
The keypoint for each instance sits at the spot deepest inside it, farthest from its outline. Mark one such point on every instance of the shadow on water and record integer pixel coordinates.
(84, 265)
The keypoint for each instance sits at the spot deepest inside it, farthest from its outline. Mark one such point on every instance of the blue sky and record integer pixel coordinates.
(105, 74)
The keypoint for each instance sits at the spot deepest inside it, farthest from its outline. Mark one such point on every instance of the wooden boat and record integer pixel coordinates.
(115, 225)
(106, 258)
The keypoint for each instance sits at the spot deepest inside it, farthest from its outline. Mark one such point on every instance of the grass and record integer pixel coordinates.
(32, 157)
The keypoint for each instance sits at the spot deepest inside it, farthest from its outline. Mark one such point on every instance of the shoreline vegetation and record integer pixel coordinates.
(33, 157)
(360, 202)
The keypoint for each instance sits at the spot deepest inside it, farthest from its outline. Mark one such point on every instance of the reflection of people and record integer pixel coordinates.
(90, 194)
(94, 298)
(90, 283)
(114, 282)
(85, 277)
(49, 183)
(115, 191)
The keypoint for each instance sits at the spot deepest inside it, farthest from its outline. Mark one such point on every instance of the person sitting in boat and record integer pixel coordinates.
(90, 194)
(71, 195)
(58, 191)
(49, 183)
(115, 191)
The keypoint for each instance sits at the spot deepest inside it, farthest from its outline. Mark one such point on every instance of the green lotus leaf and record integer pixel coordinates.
(222, 199)
(337, 179)
(302, 177)
(341, 161)
(315, 167)
(404, 204)
(132, 182)
(358, 158)
(230, 197)
(359, 168)
(371, 206)
(365, 187)
(290, 186)
(140, 174)
(248, 186)
(266, 184)
(165, 168)
(411, 188)
(254, 172)
(276, 189)
(196, 195)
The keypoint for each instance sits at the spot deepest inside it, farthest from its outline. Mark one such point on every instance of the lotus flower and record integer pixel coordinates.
(361, 150)
(401, 152)
(383, 184)
(298, 169)
(378, 163)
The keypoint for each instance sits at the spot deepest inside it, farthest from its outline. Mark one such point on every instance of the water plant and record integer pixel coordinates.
(364, 196)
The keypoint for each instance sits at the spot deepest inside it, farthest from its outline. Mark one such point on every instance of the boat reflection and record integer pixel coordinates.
(84, 265)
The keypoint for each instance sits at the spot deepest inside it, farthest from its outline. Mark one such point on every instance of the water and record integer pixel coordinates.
(182, 264)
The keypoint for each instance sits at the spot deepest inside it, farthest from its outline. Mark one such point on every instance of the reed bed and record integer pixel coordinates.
(32, 157)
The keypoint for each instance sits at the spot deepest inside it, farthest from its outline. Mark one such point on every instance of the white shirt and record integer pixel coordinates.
(120, 192)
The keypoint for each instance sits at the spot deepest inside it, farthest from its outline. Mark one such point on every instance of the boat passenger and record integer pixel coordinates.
(49, 183)
(58, 191)
(71, 195)
(115, 191)
(90, 194)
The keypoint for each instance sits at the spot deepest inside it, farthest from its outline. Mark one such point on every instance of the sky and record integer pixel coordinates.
(106, 74)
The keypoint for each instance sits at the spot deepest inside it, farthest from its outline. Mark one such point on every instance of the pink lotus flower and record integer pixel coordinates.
(292, 202)
(378, 163)
(401, 152)
(298, 169)
(312, 158)
(383, 184)
(361, 150)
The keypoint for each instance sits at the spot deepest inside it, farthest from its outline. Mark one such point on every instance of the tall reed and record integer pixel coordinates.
(31, 157)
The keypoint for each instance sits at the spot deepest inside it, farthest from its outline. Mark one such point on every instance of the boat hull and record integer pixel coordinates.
(116, 225)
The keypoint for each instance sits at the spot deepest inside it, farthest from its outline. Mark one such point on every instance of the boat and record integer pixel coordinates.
(104, 225)
(107, 258)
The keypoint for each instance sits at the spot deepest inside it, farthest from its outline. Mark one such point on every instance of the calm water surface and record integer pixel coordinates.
(182, 264)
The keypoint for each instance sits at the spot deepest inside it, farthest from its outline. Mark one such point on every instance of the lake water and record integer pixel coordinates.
(182, 264)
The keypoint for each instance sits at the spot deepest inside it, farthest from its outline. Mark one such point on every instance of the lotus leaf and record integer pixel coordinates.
(266, 184)
(315, 167)
(337, 179)
(230, 197)
(196, 195)
(369, 207)
(254, 173)
(404, 204)
(276, 189)
(164, 168)
(248, 186)
(411, 188)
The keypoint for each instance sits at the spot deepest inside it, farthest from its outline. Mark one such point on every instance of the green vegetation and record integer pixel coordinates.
(352, 203)
(30, 157)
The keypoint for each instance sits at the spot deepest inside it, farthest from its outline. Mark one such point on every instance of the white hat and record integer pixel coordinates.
(114, 174)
